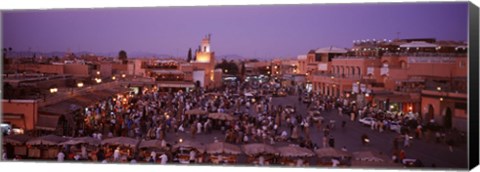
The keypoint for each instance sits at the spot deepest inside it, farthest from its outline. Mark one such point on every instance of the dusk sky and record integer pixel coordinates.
(249, 31)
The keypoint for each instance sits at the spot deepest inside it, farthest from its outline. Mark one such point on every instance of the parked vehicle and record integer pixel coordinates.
(412, 162)
(366, 120)
(394, 126)
(289, 109)
(6, 128)
(307, 99)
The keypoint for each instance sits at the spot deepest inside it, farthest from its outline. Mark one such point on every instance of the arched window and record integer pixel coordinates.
(403, 64)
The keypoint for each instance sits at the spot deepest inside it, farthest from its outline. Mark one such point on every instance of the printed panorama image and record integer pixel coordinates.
(314, 86)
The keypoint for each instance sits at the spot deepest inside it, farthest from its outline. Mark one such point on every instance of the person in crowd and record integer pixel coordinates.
(153, 156)
(193, 156)
(60, 156)
(116, 155)
(163, 159)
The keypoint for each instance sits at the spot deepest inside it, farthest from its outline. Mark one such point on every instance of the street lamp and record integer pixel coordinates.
(98, 80)
(439, 88)
(98, 72)
(113, 77)
(80, 85)
(123, 75)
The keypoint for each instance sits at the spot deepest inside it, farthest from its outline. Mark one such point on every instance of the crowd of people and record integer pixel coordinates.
(154, 115)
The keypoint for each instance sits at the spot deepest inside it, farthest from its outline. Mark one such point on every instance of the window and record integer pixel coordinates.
(330, 57)
(318, 58)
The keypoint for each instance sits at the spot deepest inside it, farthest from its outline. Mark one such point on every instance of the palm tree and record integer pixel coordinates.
(9, 91)
(189, 56)
(122, 55)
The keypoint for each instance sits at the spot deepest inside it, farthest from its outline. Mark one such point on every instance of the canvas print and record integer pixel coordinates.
(381, 85)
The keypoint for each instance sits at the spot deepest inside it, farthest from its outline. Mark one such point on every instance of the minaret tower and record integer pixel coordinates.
(205, 45)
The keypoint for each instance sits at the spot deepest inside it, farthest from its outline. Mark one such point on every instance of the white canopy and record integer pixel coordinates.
(418, 44)
(331, 49)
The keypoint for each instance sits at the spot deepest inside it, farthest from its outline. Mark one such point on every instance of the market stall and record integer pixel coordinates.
(221, 152)
(44, 147)
(158, 146)
(372, 159)
(18, 144)
(196, 112)
(294, 155)
(259, 153)
(222, 116)
(125, 145)
(77, 144)
(183, 151)
(326, 155)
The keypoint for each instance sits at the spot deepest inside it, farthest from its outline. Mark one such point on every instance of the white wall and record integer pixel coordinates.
(199, 75)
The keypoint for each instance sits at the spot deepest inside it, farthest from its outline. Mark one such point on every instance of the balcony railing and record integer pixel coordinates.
(426, 54)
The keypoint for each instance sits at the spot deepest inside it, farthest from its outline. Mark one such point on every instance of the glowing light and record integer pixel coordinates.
(180, 140)
(203, 58)
(53, 90)
(98, 72)
(113, 78)
(441, 98)
(439, 88)
(80, 84)
(123, 75)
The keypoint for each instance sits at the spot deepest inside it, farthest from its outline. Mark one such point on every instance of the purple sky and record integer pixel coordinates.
(250, 31)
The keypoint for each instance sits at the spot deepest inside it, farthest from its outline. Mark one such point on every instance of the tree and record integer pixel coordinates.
(195, 56)
(228, 67)
(9, 91)
(189, 56)
(242, 71)
(122, 56)
(4, 57)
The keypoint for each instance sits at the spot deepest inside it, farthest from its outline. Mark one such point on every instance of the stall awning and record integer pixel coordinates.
(47, 122)
(418, 44)
(396, 98)
(175, 85)
(12, 116)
